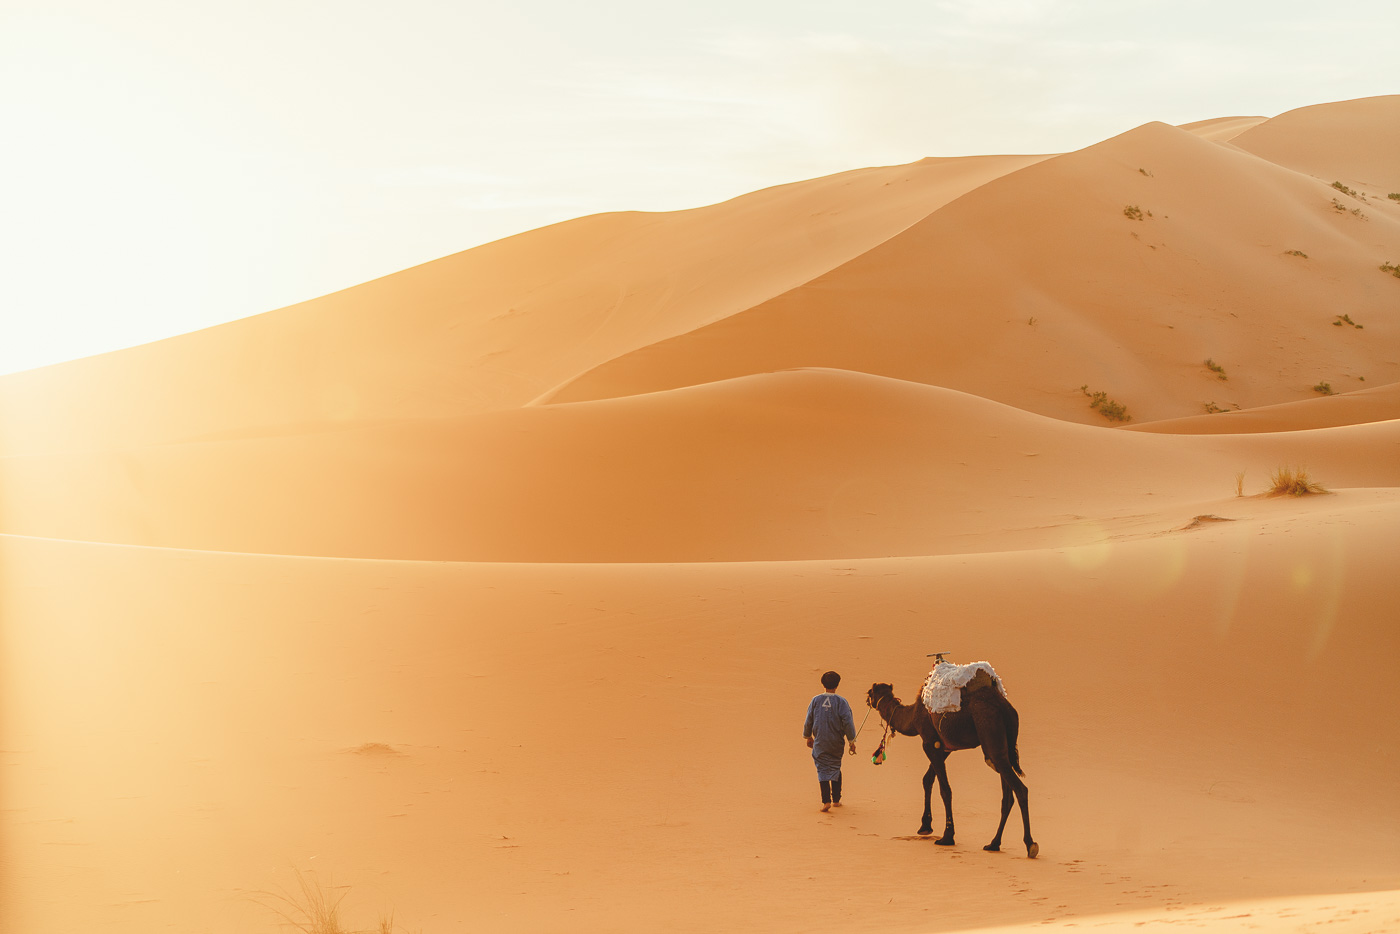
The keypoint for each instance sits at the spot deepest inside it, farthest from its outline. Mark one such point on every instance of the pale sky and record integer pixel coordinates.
(167, 166)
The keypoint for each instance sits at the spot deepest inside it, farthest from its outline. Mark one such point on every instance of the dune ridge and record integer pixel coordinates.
(1221, 129)
(794, 465)
(1376, 404)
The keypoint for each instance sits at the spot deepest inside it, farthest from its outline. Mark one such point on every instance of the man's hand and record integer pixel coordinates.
(809, 742)
(853, 747)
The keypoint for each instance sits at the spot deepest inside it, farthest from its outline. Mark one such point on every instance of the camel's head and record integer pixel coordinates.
(877, 693)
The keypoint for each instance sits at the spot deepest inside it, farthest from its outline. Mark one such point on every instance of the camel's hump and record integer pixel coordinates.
(943, 690)
(981, 681)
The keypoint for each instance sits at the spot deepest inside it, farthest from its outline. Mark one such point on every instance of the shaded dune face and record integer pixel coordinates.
(491, 592)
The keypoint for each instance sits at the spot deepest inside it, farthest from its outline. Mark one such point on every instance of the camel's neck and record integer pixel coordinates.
(903, 718)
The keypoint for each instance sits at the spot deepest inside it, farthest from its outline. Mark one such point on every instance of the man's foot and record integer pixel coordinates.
(826, 807)
(836, 804)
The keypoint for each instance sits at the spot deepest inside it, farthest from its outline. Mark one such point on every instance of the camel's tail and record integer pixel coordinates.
(1013, 728)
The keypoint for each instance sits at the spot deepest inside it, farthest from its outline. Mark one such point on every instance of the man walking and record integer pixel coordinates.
(829, 722)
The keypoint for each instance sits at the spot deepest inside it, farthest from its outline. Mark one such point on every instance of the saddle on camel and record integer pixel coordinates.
(961, 707)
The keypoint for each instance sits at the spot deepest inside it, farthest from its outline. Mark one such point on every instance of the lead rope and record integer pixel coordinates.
(862, 724)
(879, 757)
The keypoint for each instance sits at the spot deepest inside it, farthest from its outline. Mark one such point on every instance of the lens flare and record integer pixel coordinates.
(1329, 591)
(1086, 545)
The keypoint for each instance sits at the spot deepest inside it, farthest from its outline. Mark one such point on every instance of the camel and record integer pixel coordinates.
(986, 719)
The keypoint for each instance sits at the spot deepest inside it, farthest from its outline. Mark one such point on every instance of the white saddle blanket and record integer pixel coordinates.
(942, 691)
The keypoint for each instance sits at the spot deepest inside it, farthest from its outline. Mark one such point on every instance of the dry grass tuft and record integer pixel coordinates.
(310, 911)
(1290, 482)
(1239, 483)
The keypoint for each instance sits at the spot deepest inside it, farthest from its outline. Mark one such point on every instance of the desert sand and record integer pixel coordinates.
(490, 594)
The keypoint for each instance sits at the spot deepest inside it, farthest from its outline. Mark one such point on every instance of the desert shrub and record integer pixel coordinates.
(1324, 388)
(1132, 212)
(1346, 319)
(1295, 253)
(1391, 268)
(1101, 403)
(1394, 196)
(1145, 172)
(1212, 408)
(1289, 482)
(1216, 368)
(1345, 190)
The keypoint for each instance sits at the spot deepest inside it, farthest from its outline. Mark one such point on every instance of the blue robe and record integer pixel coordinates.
(831, 724)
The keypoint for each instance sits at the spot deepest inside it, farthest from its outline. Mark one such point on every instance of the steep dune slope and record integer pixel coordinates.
(807, 464)
(492, 327)
(1037, 283)
(1357, 142)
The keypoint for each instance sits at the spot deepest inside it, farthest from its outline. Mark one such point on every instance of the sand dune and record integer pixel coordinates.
(1351, 141)
(1379, 403)
(805, 464)
(489, 328)
(491, 592)
(1204, 717)
(1362, 913)
(990, 295)
(1221, 129)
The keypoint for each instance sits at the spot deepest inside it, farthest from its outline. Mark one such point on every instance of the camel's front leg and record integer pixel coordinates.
(946, 791)
(936, 757)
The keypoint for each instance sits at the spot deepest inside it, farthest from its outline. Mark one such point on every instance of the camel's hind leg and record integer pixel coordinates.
(1007, 798)
(1022, 793)
(991, 730)
(1011, 784)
